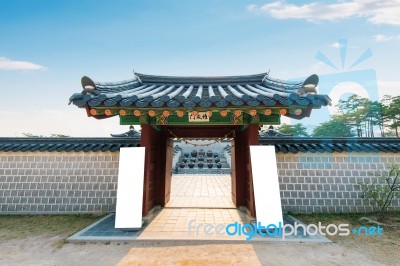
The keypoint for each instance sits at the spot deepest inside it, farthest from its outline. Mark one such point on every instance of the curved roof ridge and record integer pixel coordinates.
(145, 78)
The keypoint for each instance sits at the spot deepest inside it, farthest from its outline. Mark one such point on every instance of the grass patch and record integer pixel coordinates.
(23, 226)
(391, 235)
(350, 218)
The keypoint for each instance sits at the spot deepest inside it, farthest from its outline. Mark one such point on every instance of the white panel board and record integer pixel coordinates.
(130, 188)
(266, 185)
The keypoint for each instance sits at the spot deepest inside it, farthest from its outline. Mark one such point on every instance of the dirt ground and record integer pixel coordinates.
(49, 249)
(42, 250)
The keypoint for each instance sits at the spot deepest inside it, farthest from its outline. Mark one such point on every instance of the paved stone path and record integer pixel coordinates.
(191, 223)
(196, 200)
(205, 191)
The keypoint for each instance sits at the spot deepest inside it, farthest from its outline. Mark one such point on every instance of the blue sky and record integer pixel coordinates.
(47, 46)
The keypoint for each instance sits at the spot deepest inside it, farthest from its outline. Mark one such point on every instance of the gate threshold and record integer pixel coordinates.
(183, 224)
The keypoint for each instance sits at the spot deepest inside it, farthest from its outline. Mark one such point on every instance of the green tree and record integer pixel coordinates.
(375, 118)
(362, 115)
(391, 113)
(297, 130)
(353, 111)
(333, 128)
(59, 136)
(384, 191)
(30, 135)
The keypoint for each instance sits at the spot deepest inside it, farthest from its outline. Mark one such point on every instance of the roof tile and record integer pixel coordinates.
(190, 92)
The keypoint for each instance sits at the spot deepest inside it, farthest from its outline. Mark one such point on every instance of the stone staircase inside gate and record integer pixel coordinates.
(200, 161)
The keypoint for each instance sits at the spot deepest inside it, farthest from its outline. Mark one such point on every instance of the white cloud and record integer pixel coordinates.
(8, 64)
(383, 38)
(317, 67)
(375, 11)
(336, 45)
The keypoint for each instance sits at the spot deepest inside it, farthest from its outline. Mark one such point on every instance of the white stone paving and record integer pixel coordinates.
(201, 191)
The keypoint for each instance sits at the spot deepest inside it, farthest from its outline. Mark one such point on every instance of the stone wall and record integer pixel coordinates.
(58, 182)
(329, 182)
(86, 182)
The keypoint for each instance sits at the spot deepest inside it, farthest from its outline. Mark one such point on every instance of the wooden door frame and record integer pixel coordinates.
(156, 140)
(165, 192)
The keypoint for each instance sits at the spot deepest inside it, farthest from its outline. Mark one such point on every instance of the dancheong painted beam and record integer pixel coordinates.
(233, 100)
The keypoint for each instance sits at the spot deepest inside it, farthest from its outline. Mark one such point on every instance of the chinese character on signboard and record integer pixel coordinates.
(198, 117)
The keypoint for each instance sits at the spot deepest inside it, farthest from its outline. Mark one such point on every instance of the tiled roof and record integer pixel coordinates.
(313, 145)
(282, 144)
(190, 92)
(132, 133)
(271, 132)
(66, 144)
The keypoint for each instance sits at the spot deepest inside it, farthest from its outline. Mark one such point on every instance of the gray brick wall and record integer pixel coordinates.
(58, 182)
(67, 182)
(323, 182)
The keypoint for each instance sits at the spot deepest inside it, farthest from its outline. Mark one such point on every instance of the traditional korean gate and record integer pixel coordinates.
(199, 107)
(158, 143)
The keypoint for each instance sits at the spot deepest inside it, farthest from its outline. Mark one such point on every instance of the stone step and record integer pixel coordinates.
(225, 166)
(203, 171)
(222, 159)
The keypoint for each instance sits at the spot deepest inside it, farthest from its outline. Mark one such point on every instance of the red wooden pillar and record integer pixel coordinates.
(238, 170)
(243, 177)
(251, 136)
(163, 177)
(154, 167)
(165, 186)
